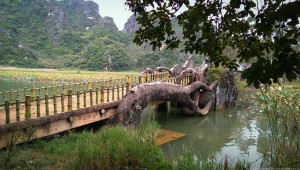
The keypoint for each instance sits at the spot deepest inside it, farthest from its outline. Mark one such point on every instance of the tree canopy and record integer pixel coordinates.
(264, 33)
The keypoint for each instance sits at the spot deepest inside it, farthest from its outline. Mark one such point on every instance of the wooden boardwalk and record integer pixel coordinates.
(58, 104)
(25, 104)
(51, 110)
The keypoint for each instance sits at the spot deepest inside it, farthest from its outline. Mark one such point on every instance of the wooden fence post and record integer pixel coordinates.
(62, 98)
(47, 104)
(90, 85)
(54, 103)
(70, 99)
(110, 82)
(118, 92)
(122, 90)
(113, 93)
(97, 95)
(38, 106)
(84, 98)
(107, 94)
(102, 94)
(127, 86)
(18, 109)
(91, 97)
(78, 99)
(7, 112)
(64, 88)
(28, 107)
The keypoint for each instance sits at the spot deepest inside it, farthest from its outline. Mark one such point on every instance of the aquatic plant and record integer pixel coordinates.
(188, 160)
(282, 108)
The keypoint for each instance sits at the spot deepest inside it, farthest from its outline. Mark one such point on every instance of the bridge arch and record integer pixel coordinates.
(132, 105)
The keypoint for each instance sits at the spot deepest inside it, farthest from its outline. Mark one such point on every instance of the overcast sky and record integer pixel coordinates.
(115, 9)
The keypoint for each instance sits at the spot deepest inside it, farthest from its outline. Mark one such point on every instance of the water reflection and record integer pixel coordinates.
(235, 132)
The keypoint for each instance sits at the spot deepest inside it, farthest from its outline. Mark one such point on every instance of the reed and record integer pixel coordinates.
(282, 108)
(120, 148)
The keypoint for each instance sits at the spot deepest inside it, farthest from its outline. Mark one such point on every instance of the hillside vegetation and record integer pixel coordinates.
(71, 34)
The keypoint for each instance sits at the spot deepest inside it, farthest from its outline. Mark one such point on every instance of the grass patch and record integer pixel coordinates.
(62, 75)
(109, 148)
(119, 148)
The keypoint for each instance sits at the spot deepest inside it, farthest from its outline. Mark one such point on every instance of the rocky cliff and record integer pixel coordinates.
(72, 34)
(131, 25)
(69, 15)
(34, 31)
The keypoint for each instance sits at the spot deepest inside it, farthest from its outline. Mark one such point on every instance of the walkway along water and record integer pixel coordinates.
(37, 112)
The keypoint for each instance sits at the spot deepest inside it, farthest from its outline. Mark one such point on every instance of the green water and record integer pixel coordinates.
(10, 84)
(238, 132)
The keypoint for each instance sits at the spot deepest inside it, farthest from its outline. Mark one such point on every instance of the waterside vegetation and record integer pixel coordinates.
(109, 148)
(61, 75)
(281, 106)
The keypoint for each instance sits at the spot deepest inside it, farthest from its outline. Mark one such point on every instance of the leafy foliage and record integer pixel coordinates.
(282, 107)
(266, 34)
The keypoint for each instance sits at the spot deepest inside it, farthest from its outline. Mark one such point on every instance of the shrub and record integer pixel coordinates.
(282, 108)
(215, 73)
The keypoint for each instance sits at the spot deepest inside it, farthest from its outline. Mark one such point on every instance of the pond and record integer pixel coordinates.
(239, 132)
(11, 84)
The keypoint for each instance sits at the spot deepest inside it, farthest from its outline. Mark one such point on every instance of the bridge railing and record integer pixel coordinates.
(24, 104)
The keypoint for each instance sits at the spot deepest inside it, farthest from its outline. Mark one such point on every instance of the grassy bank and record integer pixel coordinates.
(108, 148)
(60, 75)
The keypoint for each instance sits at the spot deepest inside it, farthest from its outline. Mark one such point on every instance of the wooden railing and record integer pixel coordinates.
(24, 104)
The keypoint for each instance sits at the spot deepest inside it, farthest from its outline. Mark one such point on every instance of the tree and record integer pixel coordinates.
(265, 34)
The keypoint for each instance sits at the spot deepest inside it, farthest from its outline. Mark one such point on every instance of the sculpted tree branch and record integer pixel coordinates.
(129, 110)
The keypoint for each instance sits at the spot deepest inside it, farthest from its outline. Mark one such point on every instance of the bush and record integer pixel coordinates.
(282, 108)
(215, 73)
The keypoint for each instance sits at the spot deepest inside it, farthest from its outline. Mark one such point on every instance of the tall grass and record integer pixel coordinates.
(109, 148)
(282, 108)
(187, 159)
(121, 148)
